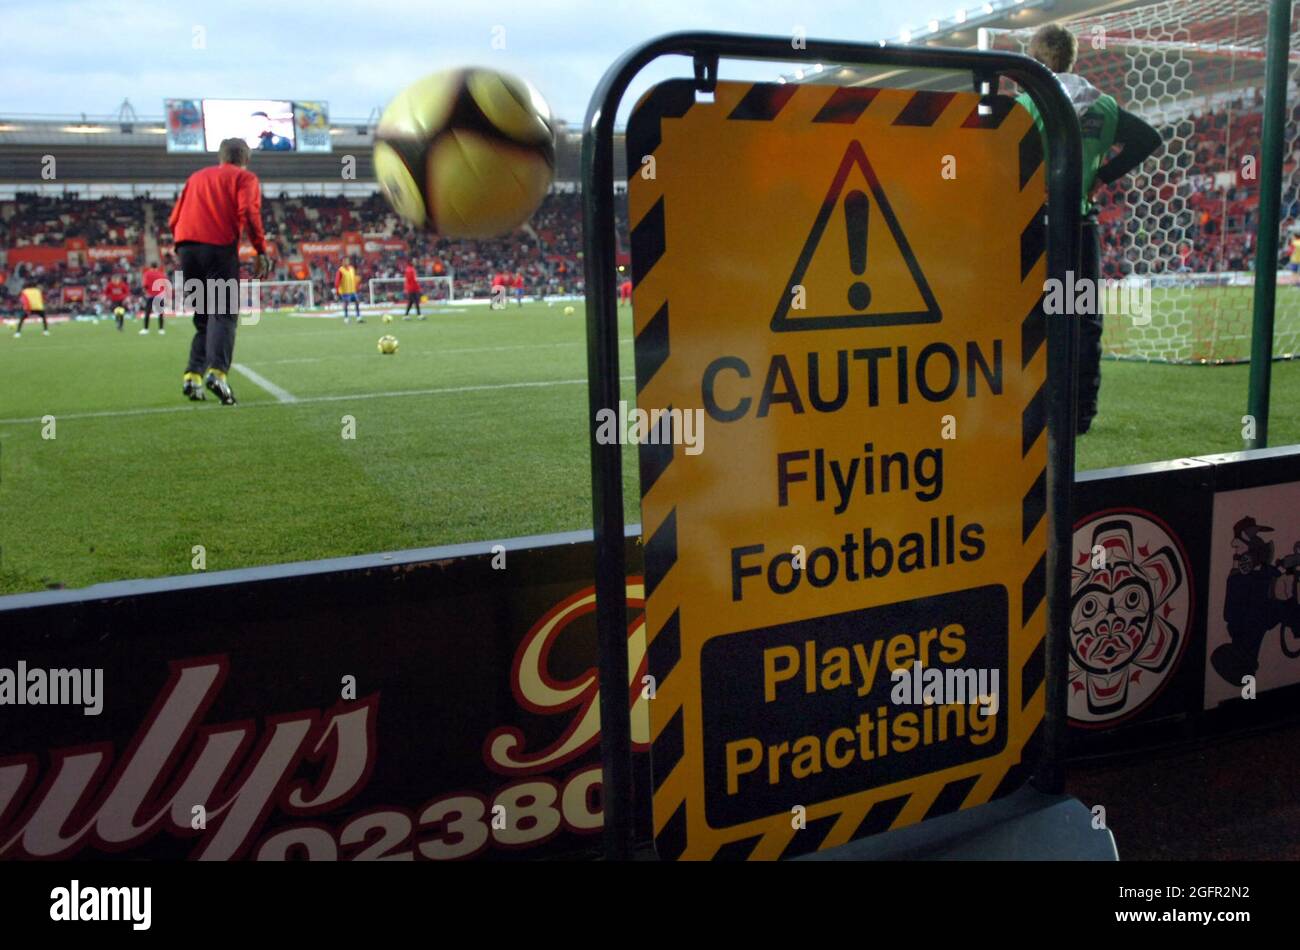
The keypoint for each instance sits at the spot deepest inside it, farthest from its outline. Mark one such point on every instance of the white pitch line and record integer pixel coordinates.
(307, 400)
(370, 309)
(282, 395)
(437, 352)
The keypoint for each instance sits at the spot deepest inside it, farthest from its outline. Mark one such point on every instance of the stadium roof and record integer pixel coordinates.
(1229, 35)
(131, 150)
(106, 150)
(106, 131)
(961, 28)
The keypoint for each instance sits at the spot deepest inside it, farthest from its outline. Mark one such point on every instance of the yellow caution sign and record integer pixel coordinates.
(845, 555)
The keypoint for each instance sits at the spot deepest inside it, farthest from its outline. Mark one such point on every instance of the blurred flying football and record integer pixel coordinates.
(388, 345)
(466, 153)
(387, 318)
(568, 311)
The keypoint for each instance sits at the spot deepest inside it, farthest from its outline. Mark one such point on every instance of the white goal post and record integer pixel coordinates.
(273, 294)
(390, 288)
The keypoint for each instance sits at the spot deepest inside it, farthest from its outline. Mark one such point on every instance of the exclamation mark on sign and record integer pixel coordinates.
(856, 210)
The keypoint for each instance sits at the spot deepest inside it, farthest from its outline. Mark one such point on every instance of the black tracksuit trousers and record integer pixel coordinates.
(216, 315)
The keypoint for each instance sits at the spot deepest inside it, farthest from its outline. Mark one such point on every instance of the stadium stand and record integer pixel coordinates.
(1212, 227)
(547, 251)
(1218, 235)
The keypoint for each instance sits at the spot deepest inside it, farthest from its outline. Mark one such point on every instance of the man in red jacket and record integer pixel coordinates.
(412, 287)
(217, 204)
(117, 292)
(154, 287)
(500, 288)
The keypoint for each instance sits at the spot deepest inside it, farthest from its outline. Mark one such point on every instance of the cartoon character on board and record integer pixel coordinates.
(1262, 593)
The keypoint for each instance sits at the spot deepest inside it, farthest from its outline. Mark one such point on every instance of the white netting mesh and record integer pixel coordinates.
(389, 289)
(1187, 217)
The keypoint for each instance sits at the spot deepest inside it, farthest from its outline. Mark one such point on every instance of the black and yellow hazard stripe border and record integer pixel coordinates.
(765, 102)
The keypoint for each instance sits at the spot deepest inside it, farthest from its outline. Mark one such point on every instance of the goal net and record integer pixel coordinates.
(277, 294)
(389, 289)
(1185, 221)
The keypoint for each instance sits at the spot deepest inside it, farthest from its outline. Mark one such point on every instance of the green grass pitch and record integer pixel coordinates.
(475, 430)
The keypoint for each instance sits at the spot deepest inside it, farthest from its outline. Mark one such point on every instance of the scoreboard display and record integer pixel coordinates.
(267, 125)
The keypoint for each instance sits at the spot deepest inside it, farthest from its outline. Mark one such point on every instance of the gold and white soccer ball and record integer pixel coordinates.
(388, 344)
(387, 318)
(569, 311)
(467, 153)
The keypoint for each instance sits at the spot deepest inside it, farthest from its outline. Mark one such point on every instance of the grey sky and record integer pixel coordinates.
(74, 56)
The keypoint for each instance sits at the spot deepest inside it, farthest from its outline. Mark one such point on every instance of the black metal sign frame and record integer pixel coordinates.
(1064, 187)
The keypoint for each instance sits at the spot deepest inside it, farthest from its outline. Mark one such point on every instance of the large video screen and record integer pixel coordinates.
(265, 124)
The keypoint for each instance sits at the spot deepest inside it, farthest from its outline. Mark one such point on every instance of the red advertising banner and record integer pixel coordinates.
(43, 255)
(73, 252)
(312, 249)
(376, 246)
(74, 294)
(110, 252)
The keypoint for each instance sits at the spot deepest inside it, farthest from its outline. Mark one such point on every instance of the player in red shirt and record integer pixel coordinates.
(625, 292)
(517, 282)
(218, 204)
(118, 292)
(411, 286)
(500, 287)
(154, 286)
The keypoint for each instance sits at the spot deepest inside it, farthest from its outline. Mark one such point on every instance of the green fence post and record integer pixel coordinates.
(1270, 193)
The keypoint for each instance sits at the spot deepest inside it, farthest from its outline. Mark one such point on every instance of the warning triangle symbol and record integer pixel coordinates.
(856, 268)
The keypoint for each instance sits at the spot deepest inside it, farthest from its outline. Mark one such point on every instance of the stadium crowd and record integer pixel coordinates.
(1190, 210)
(1207, 219)
(48, 220)
(546, 253)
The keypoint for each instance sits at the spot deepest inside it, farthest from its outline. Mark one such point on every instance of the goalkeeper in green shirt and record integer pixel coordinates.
(1103, 125)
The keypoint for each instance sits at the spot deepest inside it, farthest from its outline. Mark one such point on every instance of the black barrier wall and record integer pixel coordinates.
(1137, 625)
(677, 637)
(442, 704)
(1252, 644)
(1185, 620)
(434, 704)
